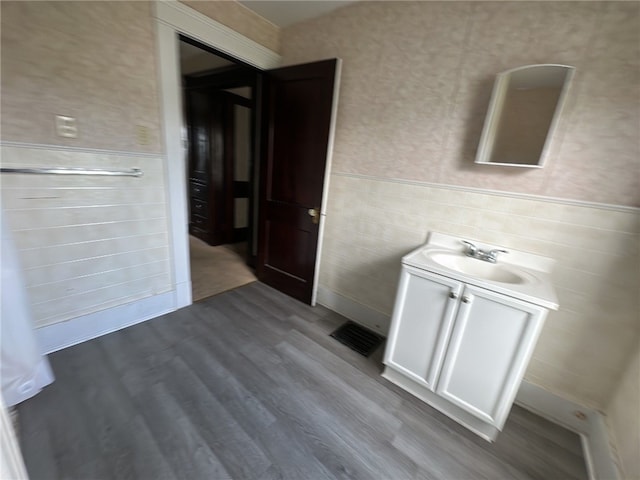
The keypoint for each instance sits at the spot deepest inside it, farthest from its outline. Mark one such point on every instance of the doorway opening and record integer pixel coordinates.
(220, 150)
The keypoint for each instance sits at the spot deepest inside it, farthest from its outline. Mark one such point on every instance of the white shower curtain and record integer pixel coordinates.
(23, 370)
(11, 462)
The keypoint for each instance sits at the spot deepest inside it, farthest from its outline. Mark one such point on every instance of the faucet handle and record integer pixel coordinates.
(471, 248)
(492, 255)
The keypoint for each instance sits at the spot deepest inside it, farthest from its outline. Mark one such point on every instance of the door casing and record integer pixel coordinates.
(174, 19)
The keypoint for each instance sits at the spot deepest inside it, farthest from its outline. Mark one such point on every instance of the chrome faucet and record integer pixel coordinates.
(492, 255)
(474, 252)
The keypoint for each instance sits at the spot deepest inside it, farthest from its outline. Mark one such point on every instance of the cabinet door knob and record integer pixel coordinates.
(466, 299)
(453, 295)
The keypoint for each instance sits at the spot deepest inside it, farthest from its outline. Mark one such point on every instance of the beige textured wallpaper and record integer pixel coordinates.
(416, 83)
(241, 19)
(94, 61)
(417, 79)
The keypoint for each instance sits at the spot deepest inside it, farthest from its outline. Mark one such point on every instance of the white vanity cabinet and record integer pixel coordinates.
(421, 325)
(461, 348)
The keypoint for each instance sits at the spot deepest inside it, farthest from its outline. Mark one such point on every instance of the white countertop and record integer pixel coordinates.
(535, 269)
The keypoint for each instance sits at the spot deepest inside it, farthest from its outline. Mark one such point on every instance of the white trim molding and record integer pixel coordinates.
(327, 177)
(174, 161)
(64, 148)
(57, 336)
(193, 24)
(586, 422)
(172, 19)
(500, 193)
(359, 313)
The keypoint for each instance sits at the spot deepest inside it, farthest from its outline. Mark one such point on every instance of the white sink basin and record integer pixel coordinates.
(494, 272)
(518, 274)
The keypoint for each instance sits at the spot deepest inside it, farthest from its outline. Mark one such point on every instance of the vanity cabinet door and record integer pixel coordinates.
(421, 324)
(491, 343)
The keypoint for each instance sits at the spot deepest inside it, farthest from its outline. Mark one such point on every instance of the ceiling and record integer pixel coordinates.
(285, 13)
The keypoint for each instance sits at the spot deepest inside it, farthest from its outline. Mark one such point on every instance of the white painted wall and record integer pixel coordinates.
(87, 243)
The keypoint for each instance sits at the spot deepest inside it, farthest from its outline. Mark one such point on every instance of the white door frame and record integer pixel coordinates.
(173, 18)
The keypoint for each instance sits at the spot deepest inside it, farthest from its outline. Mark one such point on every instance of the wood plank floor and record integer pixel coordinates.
(249, 385)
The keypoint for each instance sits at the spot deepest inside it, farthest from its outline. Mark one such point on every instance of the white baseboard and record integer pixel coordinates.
(77, 330)
(598, 450)
(184, 296)
(588, 423)
(367, 317)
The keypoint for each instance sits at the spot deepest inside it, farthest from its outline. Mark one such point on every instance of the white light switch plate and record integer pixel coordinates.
(142, 135)
(66, 126)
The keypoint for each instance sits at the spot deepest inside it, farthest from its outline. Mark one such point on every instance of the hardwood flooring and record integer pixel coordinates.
(249, 385)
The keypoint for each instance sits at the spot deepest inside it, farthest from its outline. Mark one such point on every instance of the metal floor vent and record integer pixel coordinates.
(358, 338)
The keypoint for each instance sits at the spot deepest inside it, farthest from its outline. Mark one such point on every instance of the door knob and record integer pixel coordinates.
(466, 299)
(453, 295)
(314, 213)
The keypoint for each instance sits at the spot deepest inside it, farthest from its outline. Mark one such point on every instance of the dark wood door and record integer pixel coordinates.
(298, 104)
(210, 219)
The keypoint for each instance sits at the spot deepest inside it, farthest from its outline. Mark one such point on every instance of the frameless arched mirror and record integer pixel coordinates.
(524, 108)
